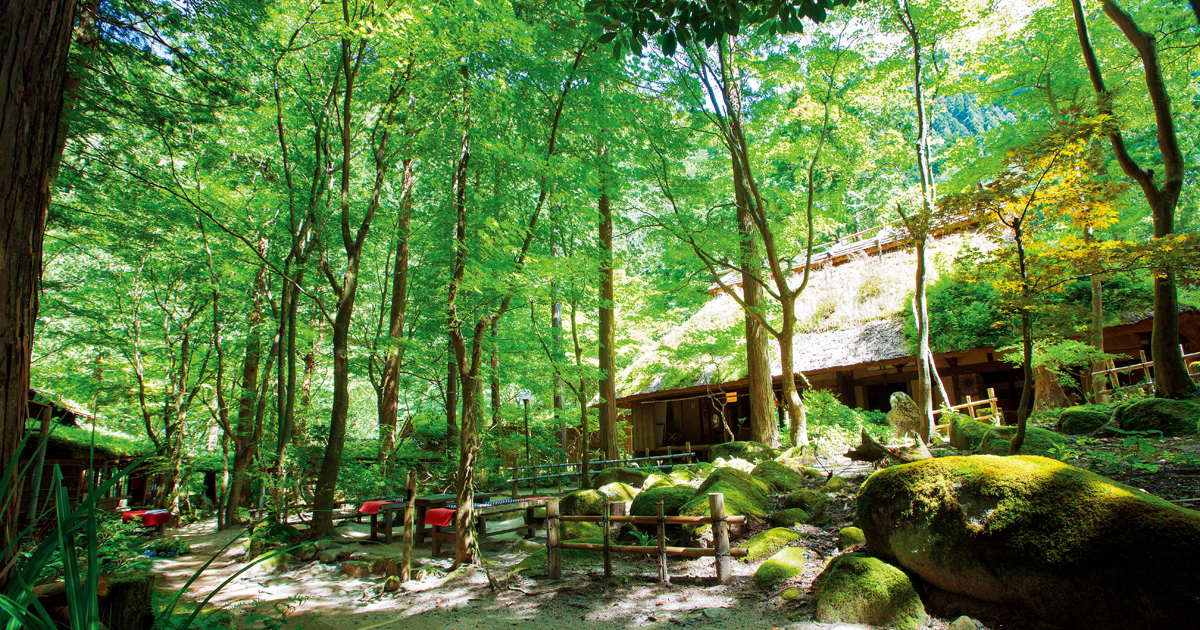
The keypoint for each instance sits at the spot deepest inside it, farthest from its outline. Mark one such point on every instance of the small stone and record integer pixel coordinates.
(356, 570)
(362, 556)
(327, 556)
(419, 574)
(963, 623)
(835, 484)
(788, 518)
(527, 546)
(322, 545)
(305, 552)
(712, 613)
(391, 585)
(850, 536)
(345, 554)
(790, 593)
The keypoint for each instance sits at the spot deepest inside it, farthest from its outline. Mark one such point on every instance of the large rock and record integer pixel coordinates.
(904, 415)
(583, 503)
(1171, 417)
(1069, 546)
(744, 495)
(970, 435)
(1081, 419)
(856, 588)
(767, 542)
(810, 501)
(787, 563)
(673, 498)
(635, 477)
(619, 492)
(753, 452)
(788, 518)
(781, 478)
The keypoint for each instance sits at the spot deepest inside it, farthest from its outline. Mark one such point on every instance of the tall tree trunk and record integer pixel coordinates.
(37, 36)
(1171, 378)
(924, 368)
(1029, 387)
(585, 447)
(494, 373)
(390, 380)
(1095, 330)
(763, 427)
(608, 377)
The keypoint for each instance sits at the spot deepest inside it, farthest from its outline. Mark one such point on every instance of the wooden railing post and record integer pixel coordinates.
(662, 547)
(553, 546)
(410, 500)
(995, 407)
(514, 477)
(971, 407)
(688, 446)
(607, 542)
(716, 508)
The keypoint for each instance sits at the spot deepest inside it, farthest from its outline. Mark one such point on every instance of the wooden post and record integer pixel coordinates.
(514, 477)
(688, 449)
(410, 507)
(670, 452)
(607, 543)
(716, 507)
(971, 407)
(662, 547)
(553, 546)
(996, 420)
(1146, 372)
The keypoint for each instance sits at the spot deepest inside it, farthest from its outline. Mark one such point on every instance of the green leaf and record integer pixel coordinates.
(668, 44)
(607, 37)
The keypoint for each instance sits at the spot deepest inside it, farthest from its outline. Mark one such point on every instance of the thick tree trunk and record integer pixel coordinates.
(466, 550)
(322, 523)
(608, 376)
(797, 413)
(33, 67)
(390, 379)
(924, 368)
(1030, 385)
(763, 427)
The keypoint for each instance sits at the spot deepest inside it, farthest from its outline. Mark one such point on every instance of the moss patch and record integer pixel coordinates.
(1081, 419)
(835, 484)
(572, 530)
(767, 542)
(779, 477)
(850, 536)
(856, 588)
(538, 559)
(673, 498)
(583, 503)
(635, 477)
(970, 435)
(785, 564)
(753, 452)
(1172, 417)
(787, 518)
(1072, 547)
(744, 495)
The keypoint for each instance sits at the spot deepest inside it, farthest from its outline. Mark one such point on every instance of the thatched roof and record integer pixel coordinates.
(849, 315)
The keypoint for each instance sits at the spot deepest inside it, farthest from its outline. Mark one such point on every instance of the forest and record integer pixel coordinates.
(267, 261)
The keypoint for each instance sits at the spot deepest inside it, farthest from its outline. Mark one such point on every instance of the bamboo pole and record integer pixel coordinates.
(514, 476)
(971, 407)
(685, 552)
(716, 507)
(553, 546)
(995, 408)
(410, 506)
(688, 449)
(607, 542)
(649, 520)
(662, 547)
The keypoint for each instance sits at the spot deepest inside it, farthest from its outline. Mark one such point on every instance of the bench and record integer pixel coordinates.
(444, 533)
(384, 514)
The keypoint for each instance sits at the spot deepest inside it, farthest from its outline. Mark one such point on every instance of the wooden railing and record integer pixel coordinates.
(688, 456)
(1109, 377)
(986, 410)
(717, 518)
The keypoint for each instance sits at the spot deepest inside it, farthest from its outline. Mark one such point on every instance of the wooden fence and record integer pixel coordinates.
(718, 519)
(1110, 376)
(687, 456)
(986, 410)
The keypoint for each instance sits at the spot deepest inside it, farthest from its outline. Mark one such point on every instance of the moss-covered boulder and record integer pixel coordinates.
(744, 496)
(635, 477)
(970, 435)
(1081, 419)
(1070, 546)
(753, 452)
(572, 529)
(661, 483)
(618, 491)
(1171, 417)
(810, 501)
(673, 498)
(856, 588)
(691, 474)
(850, 536)
(835, 484)
(767, 542)
(787, 518)
(785, 564)
(583, 503)
(780, 478)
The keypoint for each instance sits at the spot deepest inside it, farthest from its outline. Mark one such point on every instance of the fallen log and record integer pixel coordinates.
(55, 593)
(872, 451)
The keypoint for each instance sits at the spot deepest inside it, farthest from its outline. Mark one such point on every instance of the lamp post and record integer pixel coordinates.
(524, 395)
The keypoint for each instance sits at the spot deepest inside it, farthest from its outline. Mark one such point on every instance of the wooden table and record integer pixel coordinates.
(422, 505)
(442, 534)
